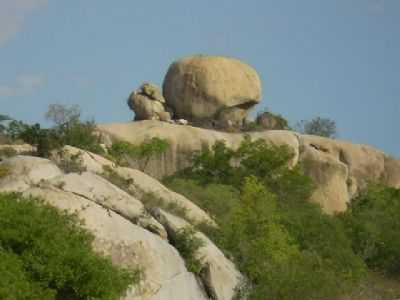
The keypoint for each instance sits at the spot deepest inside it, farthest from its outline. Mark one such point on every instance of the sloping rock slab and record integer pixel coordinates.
(97, 189)
(128, 245)
(220, 275)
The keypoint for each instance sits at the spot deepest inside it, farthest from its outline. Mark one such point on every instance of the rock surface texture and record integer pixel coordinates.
(123, 228)
(220, 275)
(148, 103)
(205, 89)
(340, 169)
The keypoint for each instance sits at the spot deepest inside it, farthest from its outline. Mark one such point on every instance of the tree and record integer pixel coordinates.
(121, 151)
(318, 126)
(2, 119)
(372, 222)
(61, 115)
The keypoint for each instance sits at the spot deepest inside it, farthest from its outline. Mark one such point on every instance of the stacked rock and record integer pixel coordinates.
(148, 103)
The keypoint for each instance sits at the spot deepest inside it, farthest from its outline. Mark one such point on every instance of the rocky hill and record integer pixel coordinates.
(124, 229)
(341, 169)
(138, 222)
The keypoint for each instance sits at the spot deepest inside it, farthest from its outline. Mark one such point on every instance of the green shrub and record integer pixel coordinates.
(212, 165)
(116, 179)
(68, 130)
(267, 162)
(285, 246)
(122, 151)
(81, 135)
(373, 224)
(318, 126)
(216, 199)
(119, 150)
(288, 254)
(48, 255)
(70, 163)
(187, 243)
(15, 282)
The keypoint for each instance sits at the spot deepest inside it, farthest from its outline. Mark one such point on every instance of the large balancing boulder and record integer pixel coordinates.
(202, 87)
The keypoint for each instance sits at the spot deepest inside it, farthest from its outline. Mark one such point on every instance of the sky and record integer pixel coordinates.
(338, 59)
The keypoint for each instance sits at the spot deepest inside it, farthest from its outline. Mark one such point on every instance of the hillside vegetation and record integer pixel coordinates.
(285, 245)
(45, 254)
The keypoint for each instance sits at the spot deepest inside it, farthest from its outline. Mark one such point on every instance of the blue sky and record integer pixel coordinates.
(338, 59)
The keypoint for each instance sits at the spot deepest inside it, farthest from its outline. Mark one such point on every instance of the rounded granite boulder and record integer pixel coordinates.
(201, 87)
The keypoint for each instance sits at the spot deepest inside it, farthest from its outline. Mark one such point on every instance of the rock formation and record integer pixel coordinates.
(148, 103)
(123, 228)
(211, 90)
(340, 169)
(270, 121)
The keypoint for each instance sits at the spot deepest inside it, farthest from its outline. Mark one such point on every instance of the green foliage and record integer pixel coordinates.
(118, 180)
(287, 247)
(187, 243)
(267, 162)
(81, 135)
(46, 254)
(122, 151)
(70, 163)
(15, 283)
(251, 126)
(216, 199)
(373, 224)
(213, 165)
(69, 130)
(318, 126)
(151, 200)
(3, 118)
(61, 115)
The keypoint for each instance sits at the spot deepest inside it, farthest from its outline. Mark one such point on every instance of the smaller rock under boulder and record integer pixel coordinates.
(270, 121)
(148, 103)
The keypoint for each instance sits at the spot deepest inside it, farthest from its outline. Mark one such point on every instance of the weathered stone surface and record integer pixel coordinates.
(186, 139)
(330, 176)
(26, 171)
(109, 196)
(89, 161)
(365, 164)
(148, 103)
(341, 169)
(19, 148)
(143, 183)
(220, 275)
(152, 91)
(128, 245)
(145, 108)
(201, 86)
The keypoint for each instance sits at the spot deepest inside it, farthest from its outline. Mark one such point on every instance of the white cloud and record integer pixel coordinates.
(13, 14)
(376, 7)
(24, 85)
